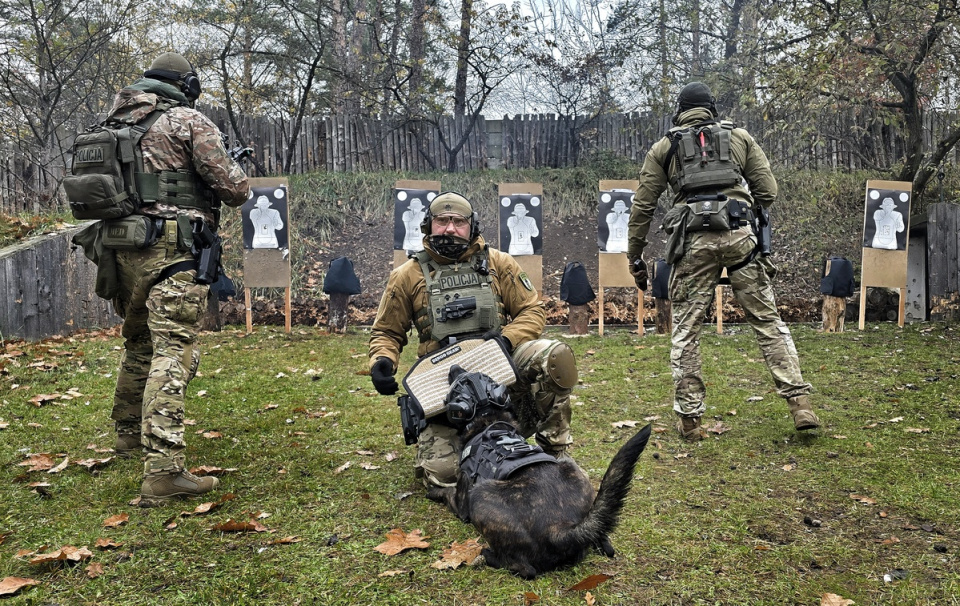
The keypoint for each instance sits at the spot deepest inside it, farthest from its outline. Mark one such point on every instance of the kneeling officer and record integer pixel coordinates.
(457, 265)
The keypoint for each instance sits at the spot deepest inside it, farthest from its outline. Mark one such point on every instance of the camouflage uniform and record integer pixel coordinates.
(160, 318)
(541, 401)
(694, 278)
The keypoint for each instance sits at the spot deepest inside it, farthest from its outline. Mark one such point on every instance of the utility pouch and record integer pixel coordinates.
(709, 213)
(135, 232)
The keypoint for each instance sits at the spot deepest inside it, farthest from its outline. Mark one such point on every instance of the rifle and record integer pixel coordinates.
(237, 153)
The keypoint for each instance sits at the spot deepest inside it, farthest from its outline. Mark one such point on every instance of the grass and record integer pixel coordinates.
(720, 522)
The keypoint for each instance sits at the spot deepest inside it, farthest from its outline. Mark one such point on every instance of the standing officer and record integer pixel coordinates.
(508, 309)
(717, 174)
(159, 300)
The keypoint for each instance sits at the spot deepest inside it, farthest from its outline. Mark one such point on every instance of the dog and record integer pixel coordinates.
(535, 516)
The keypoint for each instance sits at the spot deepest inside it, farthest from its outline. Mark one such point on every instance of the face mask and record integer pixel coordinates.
(450, 247)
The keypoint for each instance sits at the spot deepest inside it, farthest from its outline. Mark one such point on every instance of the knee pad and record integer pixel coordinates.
(561, 366)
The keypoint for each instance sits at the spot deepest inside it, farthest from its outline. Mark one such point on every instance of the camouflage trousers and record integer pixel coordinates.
(160, 325)
(541, 404)
(693, 282)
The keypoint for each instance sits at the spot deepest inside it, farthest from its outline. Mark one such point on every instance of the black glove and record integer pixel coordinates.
(382, 376)
(495, 334)
(638, 269)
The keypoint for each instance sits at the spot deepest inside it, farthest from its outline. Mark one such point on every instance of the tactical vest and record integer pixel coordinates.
(107, 179)
(497, 452)
(460, 299)
(704, 160)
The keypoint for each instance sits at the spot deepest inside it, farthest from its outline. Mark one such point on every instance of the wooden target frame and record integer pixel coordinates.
(614, 268)
(882, 268)
(268, 267)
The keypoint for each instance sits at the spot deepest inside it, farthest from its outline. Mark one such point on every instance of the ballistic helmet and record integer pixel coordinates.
(173, 67)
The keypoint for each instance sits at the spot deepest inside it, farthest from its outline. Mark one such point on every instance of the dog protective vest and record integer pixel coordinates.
(497, 452)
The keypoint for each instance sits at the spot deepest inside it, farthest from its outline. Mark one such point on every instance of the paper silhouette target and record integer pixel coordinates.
(521, 222)
(265, 223)
(885, 221)
(613, 220)
(410, 208)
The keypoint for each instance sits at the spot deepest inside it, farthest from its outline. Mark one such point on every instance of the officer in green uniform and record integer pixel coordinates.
(457, 262)
(187, 173)
(713, 167)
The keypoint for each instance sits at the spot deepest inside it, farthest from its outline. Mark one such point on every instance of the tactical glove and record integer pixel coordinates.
(638, 269)
(382, 376)
(495, 334)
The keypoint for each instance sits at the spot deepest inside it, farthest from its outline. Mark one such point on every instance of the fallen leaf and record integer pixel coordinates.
(651, 418)
(761, 548)
(895, 420)
(106, 544)
(755, 399)
(212, 435)
(917, 430)
(681, 455)
(284, 541)
(11, 585)
(63, 465)
(342, 468)
(4, 424)
(391, 456)
(789, 467)
(4, 535)
(93, 463)
(65, 553)
(398, 541)
(94, 570)
(622, 424)
(589, 599)
(458, 553)
(732, 412)
(392, 573)
(201, 393)
(591, 582)
(366, 452)
(118, 520)
(369, 467)
(235, 526)
(41, 399)
(832, 599)
(719, 428)
(203, 508)
(37, 462)
(863, 499)
(530, 598)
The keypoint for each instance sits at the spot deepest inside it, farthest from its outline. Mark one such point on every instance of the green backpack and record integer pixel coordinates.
(704, 161)
(107, 165)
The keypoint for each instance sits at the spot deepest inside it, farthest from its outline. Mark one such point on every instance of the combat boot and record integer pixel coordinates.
(803, 416)
(160, 488)
(128, 445)
(690, 430)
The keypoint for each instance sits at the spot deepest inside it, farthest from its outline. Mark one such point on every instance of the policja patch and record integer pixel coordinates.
(525, 280)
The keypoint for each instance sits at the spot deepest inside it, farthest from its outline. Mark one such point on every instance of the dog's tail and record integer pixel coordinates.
(603, 516)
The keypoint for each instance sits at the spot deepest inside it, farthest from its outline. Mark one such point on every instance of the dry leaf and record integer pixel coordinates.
(863, 499)
(392, 573)
(284, 541)
(530, 598)
(622, 424)
(212, 435)
(895, 420)
(369, 467)
(94, 570)
(4, 424)
(106, 544)
(366, 452)
(41, 399)
(590, 582)
(889, 541)
(589, 599)
(398, 541)
(917, 430)
(832, 599)
(210, 506)
(11, 585)
(63, 465)
(458, 553)
(4, 535)
(719, 428)
(755, 399)
(789, 467)
(761, 548)
(118, 520)
(342, 468)
(651, 418)
(235, 526)
(390, 456)
(93, 463)
(65, 553)
(211, 470)
(37, 462)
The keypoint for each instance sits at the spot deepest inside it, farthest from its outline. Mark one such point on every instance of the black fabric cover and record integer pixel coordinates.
(341, 279)
(224, 287)
(839, 282)
(575, 288)
(661, 280)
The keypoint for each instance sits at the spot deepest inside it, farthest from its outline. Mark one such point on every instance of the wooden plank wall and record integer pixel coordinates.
(49, 289)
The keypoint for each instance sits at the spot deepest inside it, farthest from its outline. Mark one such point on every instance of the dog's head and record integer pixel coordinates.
(474, 395)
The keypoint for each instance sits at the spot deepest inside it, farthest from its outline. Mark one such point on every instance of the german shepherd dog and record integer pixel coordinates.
(544, 515)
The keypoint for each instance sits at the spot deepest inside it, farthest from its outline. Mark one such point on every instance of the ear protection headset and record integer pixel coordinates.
(426, 226)
(189, 82)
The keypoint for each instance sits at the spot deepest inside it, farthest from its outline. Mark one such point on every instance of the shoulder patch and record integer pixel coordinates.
(525, 280)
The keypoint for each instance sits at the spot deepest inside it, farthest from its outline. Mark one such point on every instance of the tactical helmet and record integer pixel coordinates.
(473, 394)
(447, 203)
(173, 67)
(696, 94)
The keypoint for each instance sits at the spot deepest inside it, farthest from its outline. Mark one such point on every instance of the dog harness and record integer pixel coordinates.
(497, 452)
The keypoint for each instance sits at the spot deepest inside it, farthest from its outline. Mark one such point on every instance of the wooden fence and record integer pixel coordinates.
(843, 140)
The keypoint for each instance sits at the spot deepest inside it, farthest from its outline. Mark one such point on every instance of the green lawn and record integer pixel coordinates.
(755, 515)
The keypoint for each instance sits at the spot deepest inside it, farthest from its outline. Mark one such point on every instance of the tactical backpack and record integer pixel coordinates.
(106, 180)
(704, 160)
